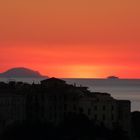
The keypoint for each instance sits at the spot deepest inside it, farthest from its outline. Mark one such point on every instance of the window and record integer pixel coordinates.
(81, 110)
(112, 107)
(60, 106)
(73, 98)
(50, 116)
(55, 99)
(97, 100)
(50, 107)
(64, 114)
(89, 111)
(104, 108)
(54, 107)
(112, 117)
(104, 117)
(65, 106)
(95, 108)
(65, 97)
(55, 116)
(74, 107)
(95, 117)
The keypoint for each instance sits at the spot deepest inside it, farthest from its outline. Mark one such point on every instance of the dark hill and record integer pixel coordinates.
(21, 72)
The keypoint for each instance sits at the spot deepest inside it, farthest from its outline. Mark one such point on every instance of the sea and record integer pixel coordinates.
(124, 89)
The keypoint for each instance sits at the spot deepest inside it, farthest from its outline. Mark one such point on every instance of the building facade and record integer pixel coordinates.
(57, 100)
(53, 100)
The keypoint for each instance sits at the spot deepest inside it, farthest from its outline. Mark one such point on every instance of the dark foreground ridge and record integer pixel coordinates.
(55, 110)
(21, 72)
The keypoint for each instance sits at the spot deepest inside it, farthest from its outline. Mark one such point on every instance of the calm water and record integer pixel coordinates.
(118, 88)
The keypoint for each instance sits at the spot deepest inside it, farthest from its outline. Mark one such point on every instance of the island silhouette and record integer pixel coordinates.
(112, 77)
(21, 72)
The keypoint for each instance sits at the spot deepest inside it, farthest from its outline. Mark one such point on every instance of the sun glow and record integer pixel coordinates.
(83, 71)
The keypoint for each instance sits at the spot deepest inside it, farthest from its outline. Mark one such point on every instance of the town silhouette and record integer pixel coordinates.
(54, 109)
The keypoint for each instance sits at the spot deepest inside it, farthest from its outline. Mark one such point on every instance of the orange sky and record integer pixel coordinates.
(71, 38)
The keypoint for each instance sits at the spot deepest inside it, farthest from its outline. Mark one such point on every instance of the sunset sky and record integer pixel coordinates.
(71, 38)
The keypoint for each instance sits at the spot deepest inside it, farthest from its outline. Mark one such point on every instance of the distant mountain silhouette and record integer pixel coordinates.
(21, 72)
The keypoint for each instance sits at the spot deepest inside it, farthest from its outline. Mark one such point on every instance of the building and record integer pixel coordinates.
(53, 100)
(56, 100)
(12, 104)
